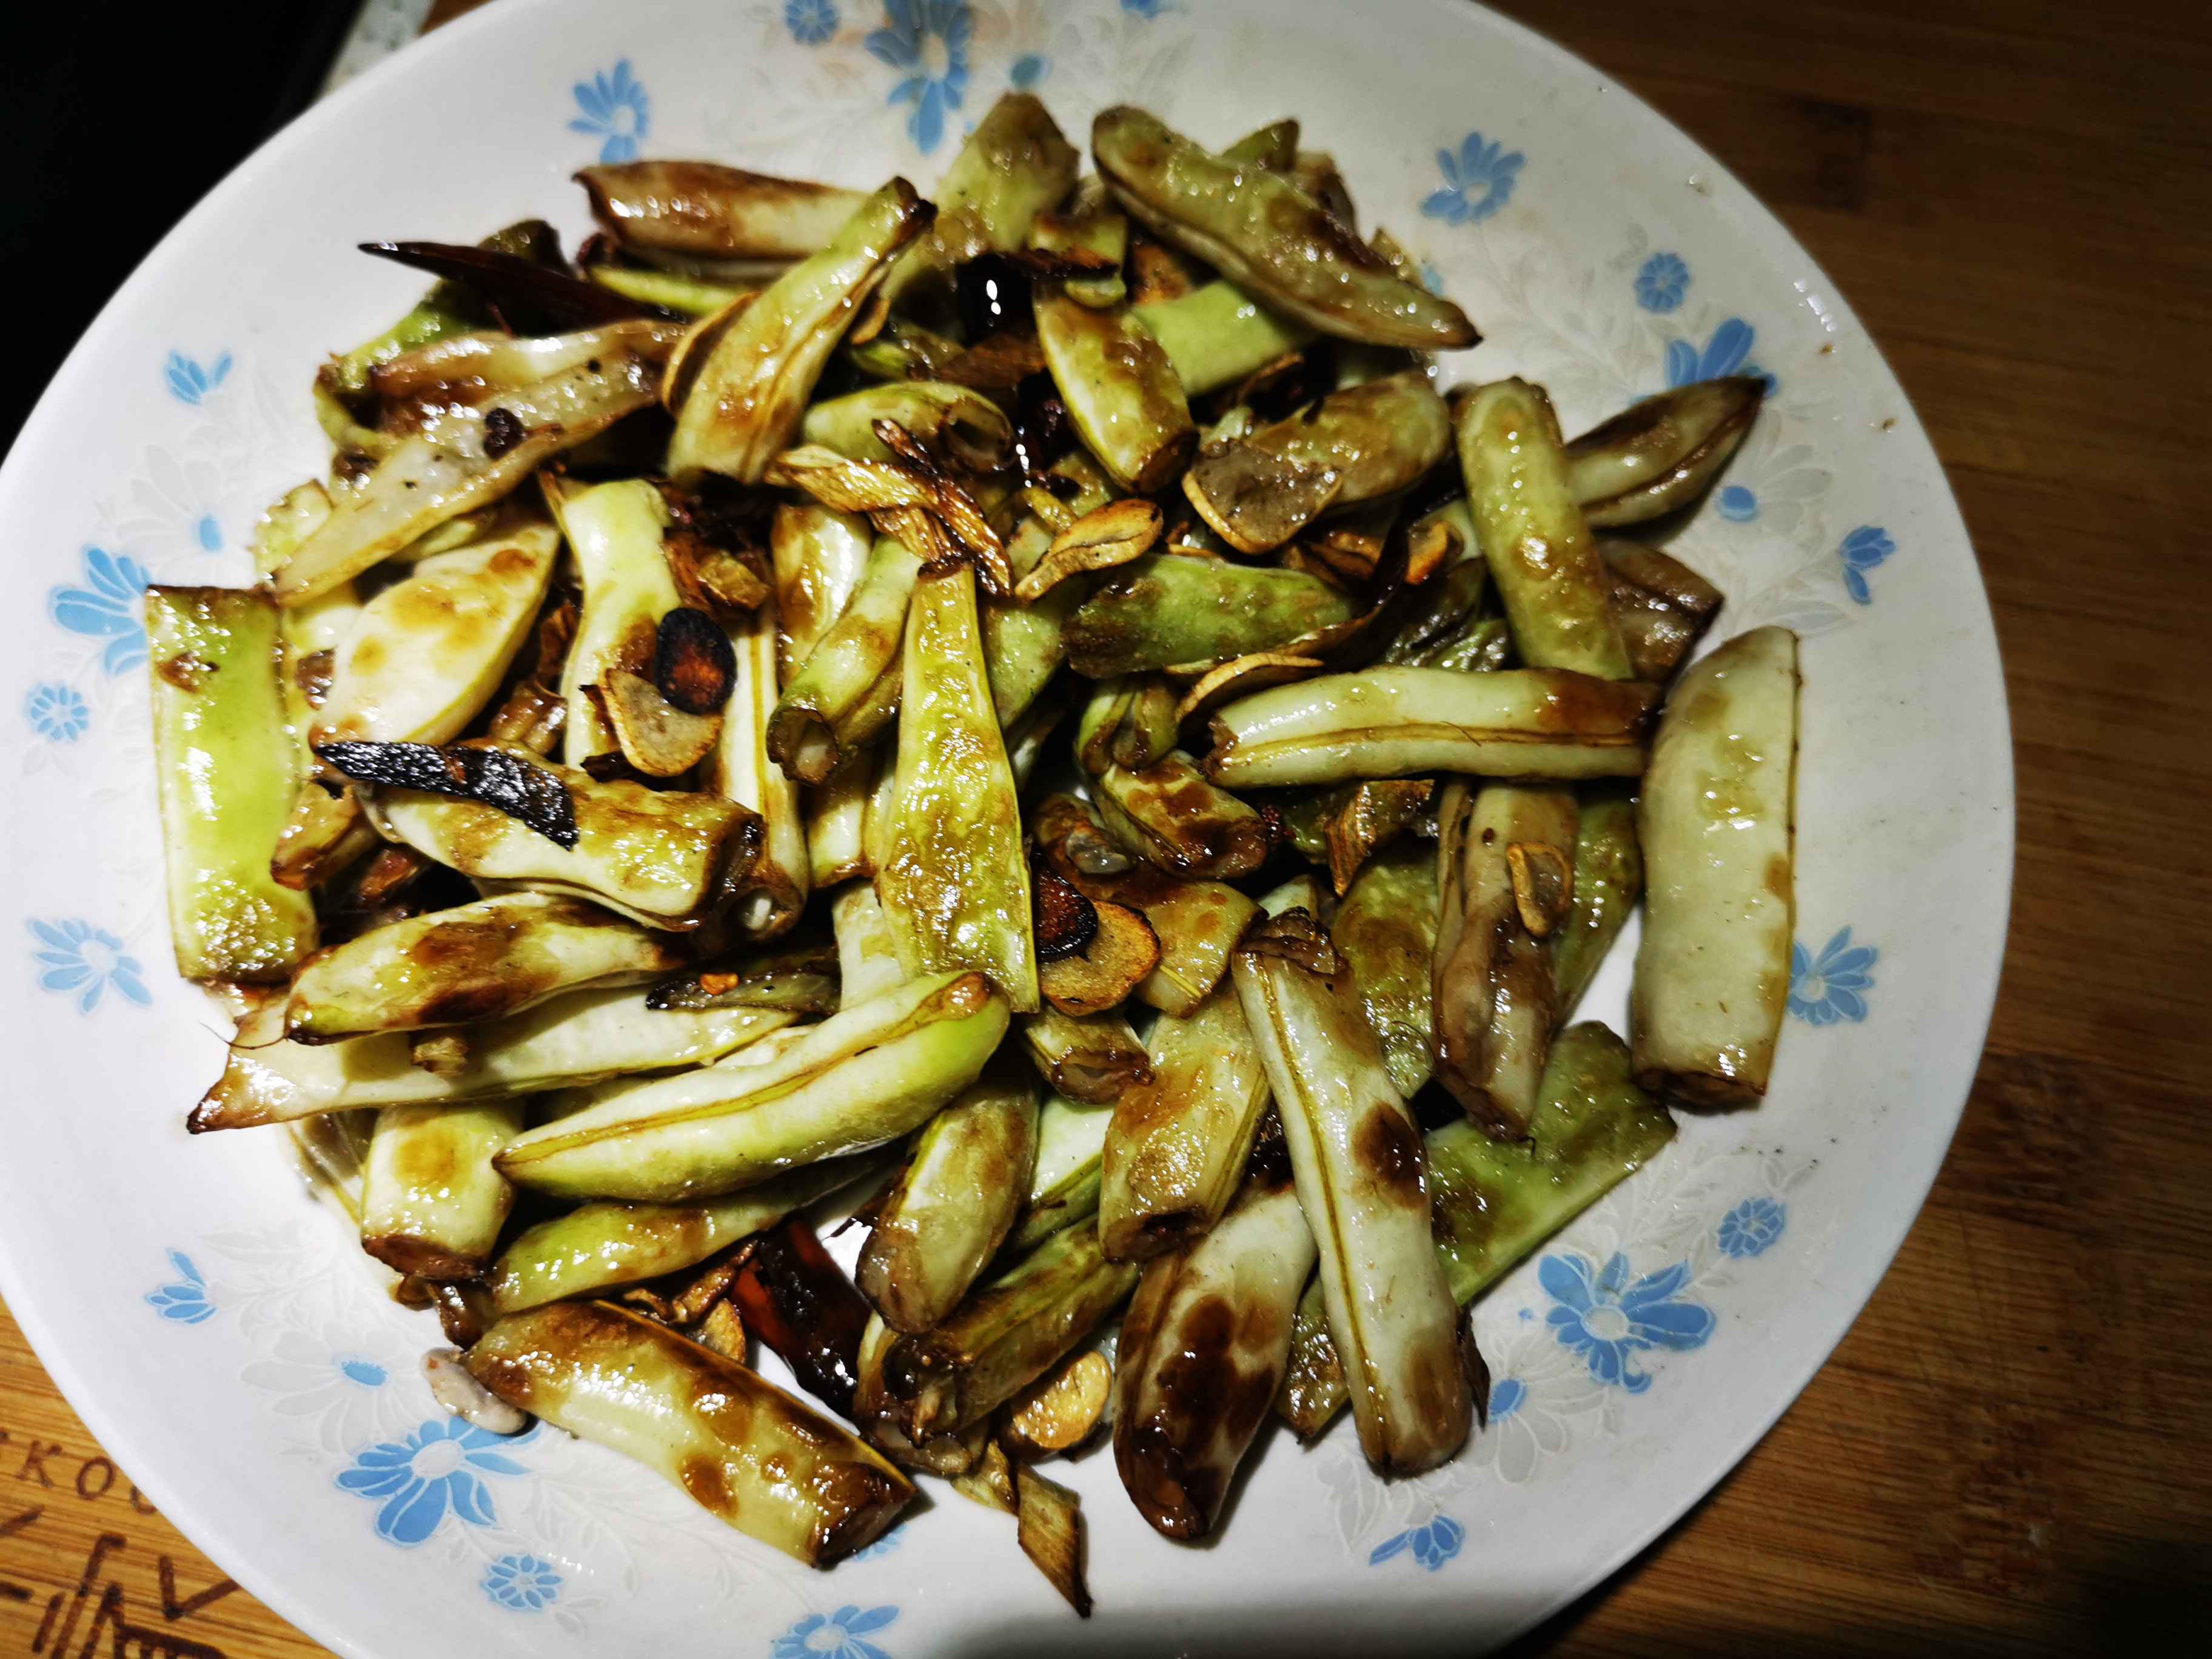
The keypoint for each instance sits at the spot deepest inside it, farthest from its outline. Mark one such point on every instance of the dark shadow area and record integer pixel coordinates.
(115, 121)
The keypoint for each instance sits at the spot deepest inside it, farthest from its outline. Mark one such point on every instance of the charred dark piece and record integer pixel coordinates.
(529, 794)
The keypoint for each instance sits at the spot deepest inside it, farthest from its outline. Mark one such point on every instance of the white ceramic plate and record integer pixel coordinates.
(222, 1338)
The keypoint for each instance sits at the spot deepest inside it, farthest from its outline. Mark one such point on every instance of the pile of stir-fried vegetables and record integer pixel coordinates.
(741, 575)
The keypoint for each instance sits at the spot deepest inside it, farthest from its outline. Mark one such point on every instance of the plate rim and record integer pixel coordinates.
(142, 1458)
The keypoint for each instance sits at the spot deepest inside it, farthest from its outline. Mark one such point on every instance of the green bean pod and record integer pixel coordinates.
(431, 1203)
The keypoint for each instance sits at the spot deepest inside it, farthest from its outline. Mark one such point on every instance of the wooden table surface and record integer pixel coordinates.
(2010, 1453)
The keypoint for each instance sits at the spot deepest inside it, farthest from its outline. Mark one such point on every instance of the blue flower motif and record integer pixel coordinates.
(1505, 1397)
(834, 1636)
(190, 381)
(1477, 181)
(81, 957)
(811, 22)
(56, 712)
(616, 109)
(1661, 281)
(365, 1372)
(185, 1299)
(1831, 986)
(105, 607)
(883, 1546)
(1146, 9)
(1737, 505)
(1027, 72)
(1433, 1544)
(523, 1582)
(1859, 552)
(1724, 354)
(928, 38)
(1754, 1224)
(442, 1464)
(1609, 1321)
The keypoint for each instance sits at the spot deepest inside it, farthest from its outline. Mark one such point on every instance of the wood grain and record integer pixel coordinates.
(2010, 1453)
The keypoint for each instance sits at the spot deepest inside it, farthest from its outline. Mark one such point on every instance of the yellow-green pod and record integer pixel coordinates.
(431, 1204)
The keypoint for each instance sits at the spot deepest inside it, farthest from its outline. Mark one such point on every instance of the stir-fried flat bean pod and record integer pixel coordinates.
(952, 1455)
(741, 769)
(1352, 820)
(420, 659)
(1168, 609)
(802, 1307)
(1391, 723)
(660, 857)
(1268, 236)
(671, 290)
(960, 424)
(1093, 1058)
(847, 690)
(742, 1448)
(1386, 932)
(955, 1202)
(1274, 147)
(1356, 1156)
(860, 1079)
(1356, 445)
(1554, 586)
(820, 557)
(614, 531)
(1664, 606)
(1177, 1145)
(715, 212)
(431, 1204)
(1120, 389)
(1203, 1348)
(1608, 880)
(1196, 922)
(837, 818)
(1492, 1202)
(1099, 721)
(603, 1246)
(1657, 456)
(1005, 1335)
(1150, 727)
(1505, 881)
(1217, 335)
(1169, 815)
(867, 951)
(748, 396)
(475, 962)
(448, 308)
(1064, 1190)
(1088, 229)
(1015, 164)
(952, 876)
(466, 457)
(1717, 820)
(573, 1039)
(797, 974)
(227, 771)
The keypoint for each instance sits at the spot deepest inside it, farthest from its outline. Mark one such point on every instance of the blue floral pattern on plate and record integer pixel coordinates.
(75, 956)
(1608, 1320)
(190, 381)
(1029, 72)
(1147, 9)
(928, 38)
(615, 110)
(1832, 985)
(811, 22)
(56, 712)
(1661, 281)
(1431, 1544)
(440, 1465)
(184, 1298)
(105, 607)
(1752, 1227)
(1726, 353)
(883, 1546)
(833, 1635)
(1737, 504)
(522, 1583)
(1859, 552)
(1479, 179)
